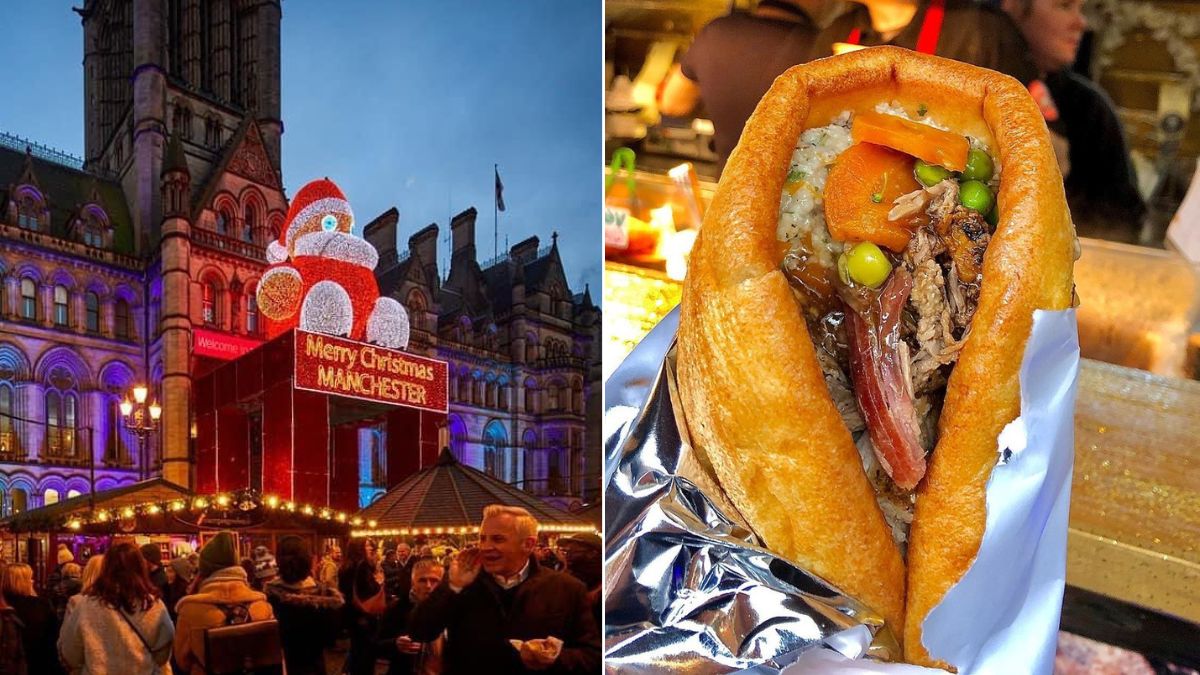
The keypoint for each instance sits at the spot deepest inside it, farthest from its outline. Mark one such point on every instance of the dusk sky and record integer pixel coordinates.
(405, 104)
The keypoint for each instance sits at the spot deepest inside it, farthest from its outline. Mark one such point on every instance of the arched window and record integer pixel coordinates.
(122, 324)
(552, 399)
(50, 496)
(252, 313)
(28, 299)
(577, 397)
(182, 122)
(93, 224)
(529, 393)
(62, 314)
(495, 450)
(458, 437)
(208, 302)
(223, 222)
(29, 209)
(91, 310)
(8, 436)
(73, 493)
(250, 224)
(61, 416)
(19, 500)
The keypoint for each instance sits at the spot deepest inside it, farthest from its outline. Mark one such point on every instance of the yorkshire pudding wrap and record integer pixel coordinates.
(777, 325)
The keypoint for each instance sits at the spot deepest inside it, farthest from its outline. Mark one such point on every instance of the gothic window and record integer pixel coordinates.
(212, 132)
(29, 209)
(252, 313)
(50, 496)
(577, 397)
(61, 414)
(555, 472)
(19, 500)
(114, 449)
(91, 310)
(503, 402)
(8, 439)
(93, 223)
(552, 402)
(28, 299)
(208, 303)
(224, 220)
(495, 450)
(530, 395)
(250, 226)
(182, 122)
(121, 319)
(62, 315)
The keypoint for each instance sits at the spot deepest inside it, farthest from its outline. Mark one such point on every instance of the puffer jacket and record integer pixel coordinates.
(203, 610)
(305, 612)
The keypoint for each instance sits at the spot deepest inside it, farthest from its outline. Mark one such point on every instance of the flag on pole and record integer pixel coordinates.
(499, 190)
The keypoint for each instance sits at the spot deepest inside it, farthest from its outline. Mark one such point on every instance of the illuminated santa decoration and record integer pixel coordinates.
(322, 277)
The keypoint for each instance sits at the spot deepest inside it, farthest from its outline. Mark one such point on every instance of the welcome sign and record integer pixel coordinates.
(334, 365)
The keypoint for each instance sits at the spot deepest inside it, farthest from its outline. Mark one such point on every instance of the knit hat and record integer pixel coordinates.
(152, 554)
(220, 552)
(265, 566)
(64, 555)
(319, 199)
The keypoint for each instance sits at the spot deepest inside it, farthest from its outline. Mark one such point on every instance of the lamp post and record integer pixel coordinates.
(141, 419)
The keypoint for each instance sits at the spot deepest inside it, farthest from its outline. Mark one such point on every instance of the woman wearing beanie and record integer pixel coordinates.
(179, 577)
(304, 608)
(119, 625)
(41, 622)
(222, 597)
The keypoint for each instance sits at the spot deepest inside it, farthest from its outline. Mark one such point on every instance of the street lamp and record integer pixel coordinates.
(142, 420)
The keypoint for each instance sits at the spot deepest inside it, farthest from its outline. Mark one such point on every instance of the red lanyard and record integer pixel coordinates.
(931, 28)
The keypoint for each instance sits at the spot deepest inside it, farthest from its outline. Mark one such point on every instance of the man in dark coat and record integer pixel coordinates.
(306, 609)
(513, 599)
(158, 575)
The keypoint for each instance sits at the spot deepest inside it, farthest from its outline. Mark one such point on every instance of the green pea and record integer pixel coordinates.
(930, 174)
(976, 195)
(979, 166)
(993, 217)
(867, 265)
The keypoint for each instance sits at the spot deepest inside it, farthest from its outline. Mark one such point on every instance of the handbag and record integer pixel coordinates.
(375, 605)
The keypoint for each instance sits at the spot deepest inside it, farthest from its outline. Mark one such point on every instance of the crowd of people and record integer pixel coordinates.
(501, 605)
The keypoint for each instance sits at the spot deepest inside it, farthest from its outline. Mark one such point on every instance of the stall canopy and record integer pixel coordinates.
(50, 518)
(448, 498)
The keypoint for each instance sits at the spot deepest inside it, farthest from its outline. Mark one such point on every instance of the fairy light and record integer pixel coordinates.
(127, 512)
(177, 505)
(75, 524)
(341, 517)
(326, 513)
(223, 500)
(200, 503)
(308, 510)
(153, 509)
(272, 501)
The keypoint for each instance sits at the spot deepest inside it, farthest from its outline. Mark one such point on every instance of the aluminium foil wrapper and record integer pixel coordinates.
(689, 588)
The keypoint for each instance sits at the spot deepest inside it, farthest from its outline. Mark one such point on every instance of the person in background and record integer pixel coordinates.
(64, 556)
(304, 608)
(40, 634)
(406, 560)
(361, 584)
(223, 597)
(91, 570)
(120, 625)
(1088, 139)
(514, 598)
(963, 30)
(735, 58)
(265, 568)
(327, 571)
(392, 641)
(391, 573)
(179, 576)
(12, 646)
(158, 575)
(68, 587)
(581, 554)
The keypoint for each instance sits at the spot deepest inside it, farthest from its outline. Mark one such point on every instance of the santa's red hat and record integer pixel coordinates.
(318, 198)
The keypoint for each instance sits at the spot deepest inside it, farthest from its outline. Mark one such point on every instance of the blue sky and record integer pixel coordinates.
(405, 104)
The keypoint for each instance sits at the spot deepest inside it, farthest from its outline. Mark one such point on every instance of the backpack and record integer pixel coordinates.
(242, 646)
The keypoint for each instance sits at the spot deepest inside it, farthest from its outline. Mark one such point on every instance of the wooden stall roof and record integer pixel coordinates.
(450, 494)
(48, 517)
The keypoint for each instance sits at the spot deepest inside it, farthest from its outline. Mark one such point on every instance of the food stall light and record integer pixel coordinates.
(272, 501)
(75, 525)
(200, 503)
(356, 521)
(325, 513)
(341, 517)
(308, 510)
(177, 505)
(127, 512)
(153, 509)
(222, 500)
(102, 516)
(290, 506)
(372, 523)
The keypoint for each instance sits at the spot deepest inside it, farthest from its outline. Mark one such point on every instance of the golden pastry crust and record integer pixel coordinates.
(755, 400)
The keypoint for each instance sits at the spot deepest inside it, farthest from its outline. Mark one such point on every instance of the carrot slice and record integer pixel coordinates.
(859, 192)
(943, 148)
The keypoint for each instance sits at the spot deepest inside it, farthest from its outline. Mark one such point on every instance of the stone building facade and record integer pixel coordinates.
(116, 267)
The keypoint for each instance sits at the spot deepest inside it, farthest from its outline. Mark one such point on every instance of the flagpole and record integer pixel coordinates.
(496, 217)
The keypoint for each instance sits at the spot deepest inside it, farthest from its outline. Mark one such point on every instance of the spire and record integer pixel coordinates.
(554, 239)
(176, 160)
